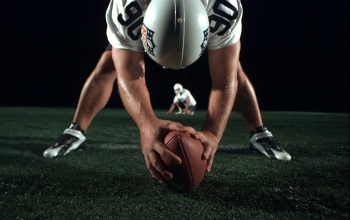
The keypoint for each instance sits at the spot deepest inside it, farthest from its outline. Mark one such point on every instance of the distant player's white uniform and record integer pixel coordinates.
(125, 17)
(181, 98)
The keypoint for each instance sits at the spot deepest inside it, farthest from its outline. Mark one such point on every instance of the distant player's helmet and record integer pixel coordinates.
(178, 88)
(175, 32)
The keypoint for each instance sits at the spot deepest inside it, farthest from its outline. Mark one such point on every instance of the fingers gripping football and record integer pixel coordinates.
(210, 144)
(156, 168)
(153, 148)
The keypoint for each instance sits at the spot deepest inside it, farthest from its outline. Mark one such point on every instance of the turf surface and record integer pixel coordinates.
(109, 179)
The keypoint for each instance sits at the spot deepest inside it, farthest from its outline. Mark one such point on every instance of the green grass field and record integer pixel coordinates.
(109, 179)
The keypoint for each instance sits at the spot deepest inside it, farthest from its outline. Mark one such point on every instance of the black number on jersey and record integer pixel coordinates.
(224, 18)
(134, 11)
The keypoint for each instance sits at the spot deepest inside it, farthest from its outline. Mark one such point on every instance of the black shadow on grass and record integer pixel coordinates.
(273, 195)
(66, 177)
(75, 184)
(32, 145)
(235, 151)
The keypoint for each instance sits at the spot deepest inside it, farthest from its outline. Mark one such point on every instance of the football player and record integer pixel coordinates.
(183, 97)
(125, 61)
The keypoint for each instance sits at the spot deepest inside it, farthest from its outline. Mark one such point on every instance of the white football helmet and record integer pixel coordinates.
(175, 32)
(178, 88)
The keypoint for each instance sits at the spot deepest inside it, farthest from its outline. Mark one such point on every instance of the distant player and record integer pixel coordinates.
(184, 98)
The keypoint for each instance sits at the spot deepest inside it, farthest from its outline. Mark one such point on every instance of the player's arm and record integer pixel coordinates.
(188, 100)
(173, 105)
(130, 68)
(223, 72)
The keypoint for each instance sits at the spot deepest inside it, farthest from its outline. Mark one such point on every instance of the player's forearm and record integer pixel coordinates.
(136, 100)
(223, 71)
(219, 110)
(171, 107)
(187, 103)
(132, 87)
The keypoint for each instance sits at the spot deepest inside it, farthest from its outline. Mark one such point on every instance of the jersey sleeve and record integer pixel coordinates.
(225, 17)
(185, 93)
(124, 19)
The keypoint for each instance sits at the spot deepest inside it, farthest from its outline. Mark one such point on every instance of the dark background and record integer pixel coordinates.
(295, 53)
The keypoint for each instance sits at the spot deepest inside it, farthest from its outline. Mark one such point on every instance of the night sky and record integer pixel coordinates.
(295, 53)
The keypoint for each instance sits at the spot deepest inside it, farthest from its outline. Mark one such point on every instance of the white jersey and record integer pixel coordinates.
(181, 97)
(125, 17)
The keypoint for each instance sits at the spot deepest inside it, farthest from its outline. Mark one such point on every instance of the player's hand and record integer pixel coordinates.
(152, 141)
(210, 143)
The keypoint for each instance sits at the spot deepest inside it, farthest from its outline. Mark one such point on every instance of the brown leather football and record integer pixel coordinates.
(188, 174)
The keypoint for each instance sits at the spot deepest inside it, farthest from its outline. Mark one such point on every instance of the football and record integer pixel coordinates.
(188, 174)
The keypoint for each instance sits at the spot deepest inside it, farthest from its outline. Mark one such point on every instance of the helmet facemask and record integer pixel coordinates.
(178, 88)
